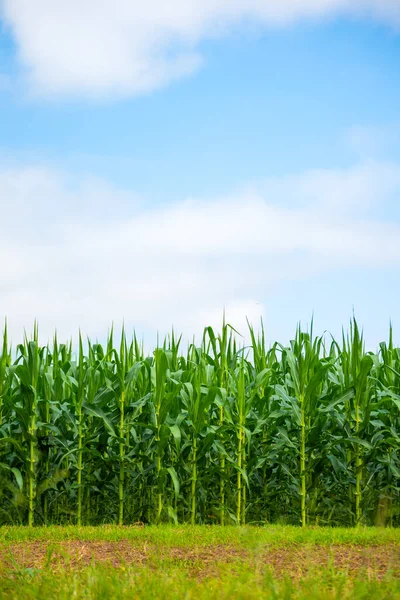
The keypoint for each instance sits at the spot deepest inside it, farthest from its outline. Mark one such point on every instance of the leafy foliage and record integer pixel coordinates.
(306, 433)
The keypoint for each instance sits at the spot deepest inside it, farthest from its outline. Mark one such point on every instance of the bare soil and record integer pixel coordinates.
(294, 560)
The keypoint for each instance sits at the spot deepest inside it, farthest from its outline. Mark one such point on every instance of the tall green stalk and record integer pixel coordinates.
(121, 460)
(196, 400)
(161, 370)
(307, 372)
(79, 403)
(122, 433)
(303, 490)
(31, 462)
(241, 409)
(355, 370)
(220, 359)
(361, 399)
(194, 480)
(29, 373)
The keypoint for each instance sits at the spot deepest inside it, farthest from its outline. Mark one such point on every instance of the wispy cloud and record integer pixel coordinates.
(86, 254)
(125, 47)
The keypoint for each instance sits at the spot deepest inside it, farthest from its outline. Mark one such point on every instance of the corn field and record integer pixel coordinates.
(307, 433)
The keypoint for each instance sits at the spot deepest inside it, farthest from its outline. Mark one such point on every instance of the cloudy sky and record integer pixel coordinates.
(160, 162)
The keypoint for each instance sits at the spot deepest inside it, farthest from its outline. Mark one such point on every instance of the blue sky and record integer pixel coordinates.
(157, 168)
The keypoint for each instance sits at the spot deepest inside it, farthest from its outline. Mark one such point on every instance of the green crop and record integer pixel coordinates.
(306, 433)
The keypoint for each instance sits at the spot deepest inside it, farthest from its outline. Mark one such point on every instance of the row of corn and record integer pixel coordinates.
(218, 432)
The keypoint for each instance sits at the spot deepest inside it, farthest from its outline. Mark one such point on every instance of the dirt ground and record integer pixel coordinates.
(294, 560)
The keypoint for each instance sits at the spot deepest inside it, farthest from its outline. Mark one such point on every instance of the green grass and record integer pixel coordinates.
(244, 583)
(196, 562)
(202, 535)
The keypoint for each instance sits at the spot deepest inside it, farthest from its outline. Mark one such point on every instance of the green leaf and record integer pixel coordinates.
(98, 412)
(176, 432)
(18, 477)
(175, 480)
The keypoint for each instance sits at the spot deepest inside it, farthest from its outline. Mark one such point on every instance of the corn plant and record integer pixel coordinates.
(307, 432)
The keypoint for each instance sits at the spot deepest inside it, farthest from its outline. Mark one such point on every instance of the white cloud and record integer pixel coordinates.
(71, 261)
(125, 47)
(356, 190)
